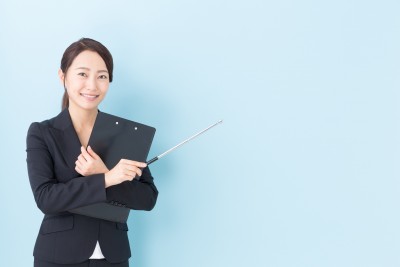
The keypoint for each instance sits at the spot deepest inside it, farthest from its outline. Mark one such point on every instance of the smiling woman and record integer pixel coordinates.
(85, 87)
(60, 184)
(86, 51)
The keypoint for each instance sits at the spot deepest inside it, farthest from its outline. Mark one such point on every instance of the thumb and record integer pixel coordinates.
(92, 153)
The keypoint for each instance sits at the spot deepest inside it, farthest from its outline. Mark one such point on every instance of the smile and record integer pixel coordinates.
(90, 97)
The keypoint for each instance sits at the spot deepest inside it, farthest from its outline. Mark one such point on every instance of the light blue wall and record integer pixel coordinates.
(304, 172)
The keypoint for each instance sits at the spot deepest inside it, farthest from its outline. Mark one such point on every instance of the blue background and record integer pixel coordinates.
(304, 170)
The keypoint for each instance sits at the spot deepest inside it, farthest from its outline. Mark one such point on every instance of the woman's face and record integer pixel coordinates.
(86, 81)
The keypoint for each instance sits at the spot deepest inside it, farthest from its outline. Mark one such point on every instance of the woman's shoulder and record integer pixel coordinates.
(39, 131)
(51, 122)
(39, 126)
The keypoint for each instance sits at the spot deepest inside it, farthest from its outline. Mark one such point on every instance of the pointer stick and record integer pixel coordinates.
(182, 143)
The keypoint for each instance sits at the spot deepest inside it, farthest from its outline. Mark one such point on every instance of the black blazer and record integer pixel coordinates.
(52, 149)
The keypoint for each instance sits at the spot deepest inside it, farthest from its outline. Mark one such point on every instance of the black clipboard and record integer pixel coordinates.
(114, 138)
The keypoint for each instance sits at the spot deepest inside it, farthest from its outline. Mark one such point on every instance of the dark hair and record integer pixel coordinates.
(74, 50)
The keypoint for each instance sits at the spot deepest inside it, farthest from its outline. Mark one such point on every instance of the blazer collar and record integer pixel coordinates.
(66, 137)
(63, 120)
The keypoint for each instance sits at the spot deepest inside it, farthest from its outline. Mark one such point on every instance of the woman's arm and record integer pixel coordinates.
(138, 194)
(52, 196)
(123, 187)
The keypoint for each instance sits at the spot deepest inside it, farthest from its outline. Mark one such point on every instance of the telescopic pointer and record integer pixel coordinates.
(182, 143)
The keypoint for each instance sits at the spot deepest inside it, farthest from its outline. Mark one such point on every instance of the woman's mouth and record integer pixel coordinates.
(90, 97)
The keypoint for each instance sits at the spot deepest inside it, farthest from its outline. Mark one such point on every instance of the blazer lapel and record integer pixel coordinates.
(66, 138)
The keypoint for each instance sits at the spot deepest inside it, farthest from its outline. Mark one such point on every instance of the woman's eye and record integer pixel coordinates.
(103, 77)
(82, 74)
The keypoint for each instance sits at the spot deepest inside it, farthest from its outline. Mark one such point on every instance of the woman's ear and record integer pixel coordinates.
(61, 75)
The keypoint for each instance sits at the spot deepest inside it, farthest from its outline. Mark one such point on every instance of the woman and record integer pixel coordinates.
(65, 175)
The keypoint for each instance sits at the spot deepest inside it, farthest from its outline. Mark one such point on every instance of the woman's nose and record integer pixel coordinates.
(91, 84)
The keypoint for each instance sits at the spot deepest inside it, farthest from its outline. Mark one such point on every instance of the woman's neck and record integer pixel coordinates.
(81, 118)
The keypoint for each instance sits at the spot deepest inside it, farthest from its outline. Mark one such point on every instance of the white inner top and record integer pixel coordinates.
(97, 254)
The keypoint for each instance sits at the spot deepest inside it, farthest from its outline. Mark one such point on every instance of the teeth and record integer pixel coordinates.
(89, 96)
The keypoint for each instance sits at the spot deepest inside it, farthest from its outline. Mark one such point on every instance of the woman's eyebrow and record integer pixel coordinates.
(85, 68)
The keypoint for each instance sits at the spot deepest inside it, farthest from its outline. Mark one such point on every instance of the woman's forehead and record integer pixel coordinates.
(89, 60)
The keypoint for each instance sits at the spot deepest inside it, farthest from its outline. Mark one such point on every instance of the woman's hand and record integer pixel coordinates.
(89, 163)
(125, 170)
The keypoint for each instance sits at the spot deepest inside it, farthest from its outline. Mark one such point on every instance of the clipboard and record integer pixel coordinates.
(114, 138)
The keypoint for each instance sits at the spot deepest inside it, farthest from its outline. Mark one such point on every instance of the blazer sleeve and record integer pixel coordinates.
(138, 194)
(52, 196)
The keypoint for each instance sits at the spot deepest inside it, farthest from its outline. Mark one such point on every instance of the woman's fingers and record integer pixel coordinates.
(85, 154)
(82, 159)
(78, 164)
(88, 163)
(134, 166)
(128, 170)
(125, 170)
(92, 153)
(79, 170)
(133, 163)
(133, 170)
